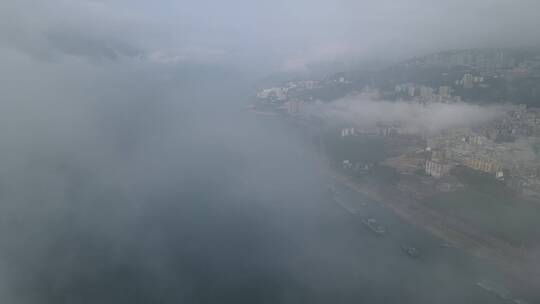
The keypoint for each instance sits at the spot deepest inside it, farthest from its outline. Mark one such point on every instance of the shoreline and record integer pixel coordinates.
(514, 262)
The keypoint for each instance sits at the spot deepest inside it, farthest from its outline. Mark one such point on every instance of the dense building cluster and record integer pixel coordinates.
(506, 148)
(425, 94)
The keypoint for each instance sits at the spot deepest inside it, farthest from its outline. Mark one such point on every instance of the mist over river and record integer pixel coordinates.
(175, 193)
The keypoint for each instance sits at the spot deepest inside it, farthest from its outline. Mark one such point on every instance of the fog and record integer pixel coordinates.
(272, 34)
(363, 111)
(130, 172)
(130, 182)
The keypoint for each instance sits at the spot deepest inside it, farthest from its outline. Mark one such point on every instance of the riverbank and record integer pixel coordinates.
(515, 262)
(404, 198)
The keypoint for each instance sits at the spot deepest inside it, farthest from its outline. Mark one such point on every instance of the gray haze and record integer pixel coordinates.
(130, 173)
(286, 34)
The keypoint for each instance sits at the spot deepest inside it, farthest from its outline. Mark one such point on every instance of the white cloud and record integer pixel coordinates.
(363, 111)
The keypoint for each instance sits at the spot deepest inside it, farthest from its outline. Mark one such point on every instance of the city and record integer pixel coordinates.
(505, 147)
(458, 181)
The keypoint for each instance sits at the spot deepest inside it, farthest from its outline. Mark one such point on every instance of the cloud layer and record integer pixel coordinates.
(363, 111)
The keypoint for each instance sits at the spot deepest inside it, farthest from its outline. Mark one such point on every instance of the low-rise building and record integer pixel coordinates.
(437, 168)
(483, 165)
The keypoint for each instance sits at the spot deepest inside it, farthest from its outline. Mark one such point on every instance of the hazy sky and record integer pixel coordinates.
(275, 34)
